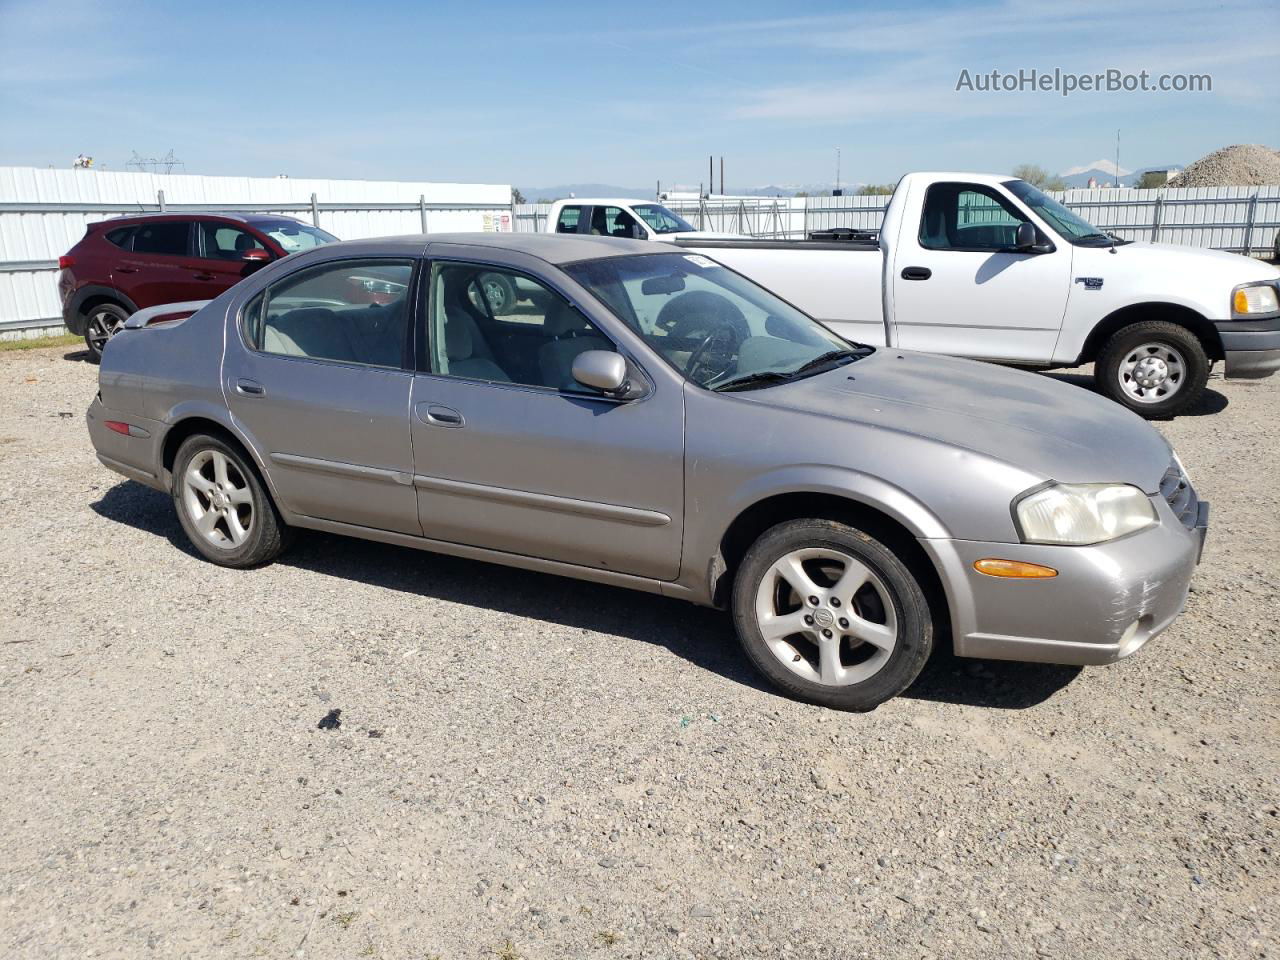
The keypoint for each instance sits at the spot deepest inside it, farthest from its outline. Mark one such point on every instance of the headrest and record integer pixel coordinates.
(457, 339)
(562, 319)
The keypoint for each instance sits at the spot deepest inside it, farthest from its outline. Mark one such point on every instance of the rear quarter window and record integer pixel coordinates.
(120, 237)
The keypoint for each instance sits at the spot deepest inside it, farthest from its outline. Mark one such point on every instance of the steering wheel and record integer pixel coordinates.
(698, 359)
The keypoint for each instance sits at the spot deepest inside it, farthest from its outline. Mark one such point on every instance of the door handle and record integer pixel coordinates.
(250, 388)
(438, 415)
(204, 276)
(126, 270)
(916, 273)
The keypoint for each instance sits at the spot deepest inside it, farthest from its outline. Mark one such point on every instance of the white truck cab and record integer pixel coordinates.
(612, 217)
(988, 266)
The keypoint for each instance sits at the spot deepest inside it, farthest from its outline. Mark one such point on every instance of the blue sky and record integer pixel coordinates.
(551, 93)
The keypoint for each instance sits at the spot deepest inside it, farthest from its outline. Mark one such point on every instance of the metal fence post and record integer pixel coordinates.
(422, 210)
(1248, 226)
(804, 220)
(315, 211)
(1155, 219)
(160, 199)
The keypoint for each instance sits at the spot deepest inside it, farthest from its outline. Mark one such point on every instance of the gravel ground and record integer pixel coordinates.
(534, 767)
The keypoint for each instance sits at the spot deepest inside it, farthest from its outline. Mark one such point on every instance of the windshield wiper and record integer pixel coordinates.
(767, 377)
(831, 356)
(752, 380)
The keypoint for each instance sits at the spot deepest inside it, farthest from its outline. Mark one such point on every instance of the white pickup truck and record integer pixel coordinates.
(632, 219)
(984, 266)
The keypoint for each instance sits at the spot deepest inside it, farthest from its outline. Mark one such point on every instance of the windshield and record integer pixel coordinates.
(1074, 229)
(660, 219)
(293, 236)
(716, 327)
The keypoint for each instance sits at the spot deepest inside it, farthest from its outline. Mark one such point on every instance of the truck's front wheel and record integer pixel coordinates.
(1155, 368)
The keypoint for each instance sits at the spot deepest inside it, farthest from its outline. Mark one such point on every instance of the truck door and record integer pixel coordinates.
(960, 287)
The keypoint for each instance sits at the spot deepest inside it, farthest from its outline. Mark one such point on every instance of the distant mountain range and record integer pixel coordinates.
(1104, 172)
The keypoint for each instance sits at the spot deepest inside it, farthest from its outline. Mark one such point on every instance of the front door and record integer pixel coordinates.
(320, 379)
(219, 250)
(511, 454)
(960, 288)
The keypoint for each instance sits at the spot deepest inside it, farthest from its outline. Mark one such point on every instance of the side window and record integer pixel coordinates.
(611, 222)
(353, 311)
(966, 216)
(218, 241)
(120, 237)
(534, 342)
(568, 222)
(168, 238)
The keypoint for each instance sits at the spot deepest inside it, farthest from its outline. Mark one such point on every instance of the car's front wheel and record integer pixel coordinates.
(223, 506)
(102, 322)
(831, 615)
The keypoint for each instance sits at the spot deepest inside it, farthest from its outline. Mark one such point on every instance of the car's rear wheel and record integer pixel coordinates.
(1155, 368)
(831, 615)
(223, 506)
(102, 322)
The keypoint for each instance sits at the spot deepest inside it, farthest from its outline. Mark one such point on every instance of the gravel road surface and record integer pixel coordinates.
(531, 767)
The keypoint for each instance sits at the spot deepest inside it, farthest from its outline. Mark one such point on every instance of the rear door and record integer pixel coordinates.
(158, 267)
(960, 287)
(320, 378)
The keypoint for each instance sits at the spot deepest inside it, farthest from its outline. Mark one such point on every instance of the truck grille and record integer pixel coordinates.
(1177, 490)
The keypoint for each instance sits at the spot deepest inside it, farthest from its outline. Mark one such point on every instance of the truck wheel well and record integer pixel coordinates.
(759, 517)
(1205, 331)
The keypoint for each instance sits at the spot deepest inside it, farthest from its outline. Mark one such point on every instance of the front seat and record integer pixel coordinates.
(460, 355)
(571, 335)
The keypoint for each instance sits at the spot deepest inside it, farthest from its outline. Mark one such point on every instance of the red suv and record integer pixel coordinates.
(126, 264)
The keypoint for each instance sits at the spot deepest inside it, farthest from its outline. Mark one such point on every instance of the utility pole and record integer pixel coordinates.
(711, 174)
(837, 189)
(722, 175)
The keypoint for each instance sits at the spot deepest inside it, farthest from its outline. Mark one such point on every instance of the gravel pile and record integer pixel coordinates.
(367, 751)
(1243, 165)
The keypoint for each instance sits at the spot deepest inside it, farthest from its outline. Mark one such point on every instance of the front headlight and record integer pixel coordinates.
(1082, 513)
(1252, 299)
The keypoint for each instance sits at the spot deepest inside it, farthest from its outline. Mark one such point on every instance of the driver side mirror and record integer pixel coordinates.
(602, 370)
(1025, 240)
(256, 257)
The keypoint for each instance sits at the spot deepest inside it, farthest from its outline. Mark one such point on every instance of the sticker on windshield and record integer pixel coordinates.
(699, 261)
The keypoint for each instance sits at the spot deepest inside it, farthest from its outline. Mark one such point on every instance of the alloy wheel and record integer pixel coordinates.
(826, 616)
(101, 327)
(217, 499)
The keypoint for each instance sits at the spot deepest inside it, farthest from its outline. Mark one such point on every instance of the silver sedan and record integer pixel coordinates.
(629, 413)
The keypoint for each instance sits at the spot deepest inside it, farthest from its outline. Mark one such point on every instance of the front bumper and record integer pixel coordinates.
(1250, 348)
(1107, 601)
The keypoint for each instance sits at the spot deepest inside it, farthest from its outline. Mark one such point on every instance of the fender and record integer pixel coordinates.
(71, 314)
(203, 410)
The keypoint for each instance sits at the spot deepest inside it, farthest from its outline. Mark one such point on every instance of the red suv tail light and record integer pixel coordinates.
(66, 261)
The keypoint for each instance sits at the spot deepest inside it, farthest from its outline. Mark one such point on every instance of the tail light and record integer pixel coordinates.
(66, 261)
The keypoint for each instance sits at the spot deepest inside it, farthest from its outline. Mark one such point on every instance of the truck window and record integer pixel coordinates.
(611, 222)
(568, 222)
(967, 216)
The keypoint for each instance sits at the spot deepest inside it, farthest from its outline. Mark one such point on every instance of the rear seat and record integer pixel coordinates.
(371, 335)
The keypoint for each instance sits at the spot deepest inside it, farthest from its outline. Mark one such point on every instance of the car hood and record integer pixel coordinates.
(1034, 422)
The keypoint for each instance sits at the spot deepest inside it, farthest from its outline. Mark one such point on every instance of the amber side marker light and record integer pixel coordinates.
(1013, 569)
(1241, 302)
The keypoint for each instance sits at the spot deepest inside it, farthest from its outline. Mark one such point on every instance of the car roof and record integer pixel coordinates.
(203, 215)
(556, 248)
(598, 201)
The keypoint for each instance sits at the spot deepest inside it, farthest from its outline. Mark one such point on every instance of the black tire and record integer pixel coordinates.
(1167, 336)
(101, 321)
(265, 533)
(500, 291)
(910, 614)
